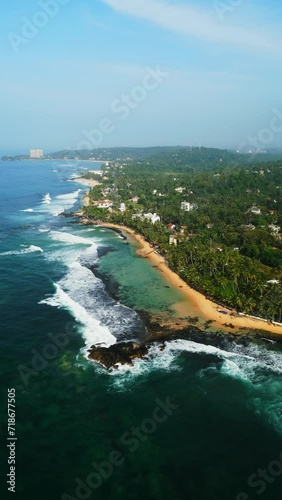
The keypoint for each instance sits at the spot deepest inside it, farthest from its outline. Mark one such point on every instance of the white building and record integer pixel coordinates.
(255, 210)
(274, 229)
(152, 217)
(104, 204)
(180, 190)
(185, 205)
(173, 240)
(36, 153)
(122, 207)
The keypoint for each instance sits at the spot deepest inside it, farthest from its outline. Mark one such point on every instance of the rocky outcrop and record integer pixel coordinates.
(122, 353)
(71, 214)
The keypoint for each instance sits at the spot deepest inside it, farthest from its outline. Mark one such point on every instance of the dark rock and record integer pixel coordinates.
(122, 353)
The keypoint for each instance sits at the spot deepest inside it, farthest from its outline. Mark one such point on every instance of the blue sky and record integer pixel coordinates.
(59, 80)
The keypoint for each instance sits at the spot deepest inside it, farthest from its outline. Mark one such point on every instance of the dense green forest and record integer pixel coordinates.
(228, 245)
(163, 156)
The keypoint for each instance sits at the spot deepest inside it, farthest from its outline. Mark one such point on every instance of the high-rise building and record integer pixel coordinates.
(36, 153)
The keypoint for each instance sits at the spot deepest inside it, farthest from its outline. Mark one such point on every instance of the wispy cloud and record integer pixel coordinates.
(199, 23)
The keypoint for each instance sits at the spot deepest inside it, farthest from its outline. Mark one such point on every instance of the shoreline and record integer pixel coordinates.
(202, 305)
(86, 182)
(55, 159)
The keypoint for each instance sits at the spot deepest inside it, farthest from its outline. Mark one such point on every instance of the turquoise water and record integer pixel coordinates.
(225, 422)
(141, 286)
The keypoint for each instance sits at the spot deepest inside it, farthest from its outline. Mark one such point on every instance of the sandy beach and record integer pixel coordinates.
(200, 305)
(87, 182)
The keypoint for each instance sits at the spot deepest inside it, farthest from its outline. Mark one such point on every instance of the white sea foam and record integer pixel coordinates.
(232, 369)
(266, 388)
(59, 204)
(33, 248)
(69, 196)
(93, 331)
(74, 176)
(246, 364)
(46, 200)
(27, 210)
(166, 359)
(88, 291)
(251, 364)
(254, 360)
(71, 239)
(28, 249)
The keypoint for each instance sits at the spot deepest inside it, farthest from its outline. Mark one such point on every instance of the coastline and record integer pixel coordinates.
(201, 305)
(86, 182)
(55, 159)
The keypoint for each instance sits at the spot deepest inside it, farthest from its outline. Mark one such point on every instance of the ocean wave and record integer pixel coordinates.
(55, 206)
(69, 196)
(88, 291)
(253, 365)
(29, 249)
(71, 239)
(46, 200)
(27, 210)
(249, 364)
(156, 360)
(167, 358)
(257, 360)
(74, 176)
(93, 332)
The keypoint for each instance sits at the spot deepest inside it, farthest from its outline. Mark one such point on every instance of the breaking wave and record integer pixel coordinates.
(69, 238)
(103, 319)
(28, 249)
(46, 200)
(93, 331)
(255, 366)
(59, 204)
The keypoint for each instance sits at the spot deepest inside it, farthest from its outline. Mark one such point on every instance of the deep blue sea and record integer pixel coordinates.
(193, 422)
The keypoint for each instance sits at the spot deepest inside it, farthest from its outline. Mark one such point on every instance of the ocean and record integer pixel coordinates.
(193, 421)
